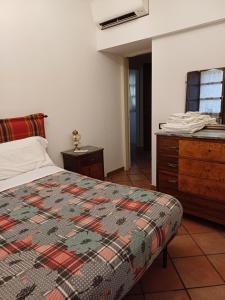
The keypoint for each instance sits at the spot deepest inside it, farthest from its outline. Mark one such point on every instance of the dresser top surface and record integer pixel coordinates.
(202, 134)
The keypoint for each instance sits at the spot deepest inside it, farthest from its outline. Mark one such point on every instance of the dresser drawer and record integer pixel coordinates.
(167, 181)
(210, 189)
(204, 208)
(168, 163)
(202, 169)
(202, 150)
(168, 146)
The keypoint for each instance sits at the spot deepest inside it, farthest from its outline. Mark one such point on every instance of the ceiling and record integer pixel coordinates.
(132, 49)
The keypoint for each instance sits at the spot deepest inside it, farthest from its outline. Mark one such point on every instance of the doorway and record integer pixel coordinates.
(140, 113)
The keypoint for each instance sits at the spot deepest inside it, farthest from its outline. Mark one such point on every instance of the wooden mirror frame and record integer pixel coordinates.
(216, 127)
(193, 92)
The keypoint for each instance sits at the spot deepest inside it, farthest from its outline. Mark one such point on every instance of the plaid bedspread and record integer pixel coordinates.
(67, 236)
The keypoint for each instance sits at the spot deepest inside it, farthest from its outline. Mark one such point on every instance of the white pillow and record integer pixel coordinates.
(22, 156)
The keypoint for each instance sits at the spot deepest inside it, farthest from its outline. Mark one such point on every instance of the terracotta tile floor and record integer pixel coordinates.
(196, 266)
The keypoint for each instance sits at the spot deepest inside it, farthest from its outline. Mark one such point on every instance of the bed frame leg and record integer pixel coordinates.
(165, 257)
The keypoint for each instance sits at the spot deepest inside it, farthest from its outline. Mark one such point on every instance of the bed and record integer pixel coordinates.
(67, 236)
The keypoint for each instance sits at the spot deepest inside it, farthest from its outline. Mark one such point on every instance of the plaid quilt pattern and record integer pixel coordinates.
(23, 127)
(67, 236)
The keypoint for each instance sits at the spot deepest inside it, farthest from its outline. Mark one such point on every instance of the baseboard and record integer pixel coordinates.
(154, 188)
(115, 172)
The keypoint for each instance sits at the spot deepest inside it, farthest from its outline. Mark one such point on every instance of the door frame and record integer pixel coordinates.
(126, 114)
(126, 111)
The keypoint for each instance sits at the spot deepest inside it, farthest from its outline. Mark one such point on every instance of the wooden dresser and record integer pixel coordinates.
(192, 168)
(89, 163)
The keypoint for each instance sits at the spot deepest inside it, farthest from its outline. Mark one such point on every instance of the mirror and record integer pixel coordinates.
(205, 93)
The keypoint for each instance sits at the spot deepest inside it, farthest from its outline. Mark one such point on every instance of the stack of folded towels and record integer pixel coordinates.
(189, 122)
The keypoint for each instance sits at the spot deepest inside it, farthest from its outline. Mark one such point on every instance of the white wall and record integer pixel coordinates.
(164, 17)
(49, 63)
(172, 57)
(185, 35)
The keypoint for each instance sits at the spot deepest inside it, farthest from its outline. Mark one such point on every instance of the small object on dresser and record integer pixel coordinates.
(89, 163)
(76, 140)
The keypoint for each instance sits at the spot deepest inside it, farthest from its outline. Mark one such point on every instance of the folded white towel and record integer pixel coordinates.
(182, 120)
(187, 123)
(186, 115)
(190, 129)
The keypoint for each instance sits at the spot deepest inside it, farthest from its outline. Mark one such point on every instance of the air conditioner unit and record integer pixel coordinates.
(108, 13)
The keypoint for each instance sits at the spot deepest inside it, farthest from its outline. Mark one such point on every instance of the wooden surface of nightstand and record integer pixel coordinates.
(89, 163)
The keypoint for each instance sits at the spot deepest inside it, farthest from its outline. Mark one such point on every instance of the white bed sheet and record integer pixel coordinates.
(28, 177)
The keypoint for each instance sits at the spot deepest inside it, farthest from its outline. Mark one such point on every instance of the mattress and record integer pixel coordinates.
(67, 236)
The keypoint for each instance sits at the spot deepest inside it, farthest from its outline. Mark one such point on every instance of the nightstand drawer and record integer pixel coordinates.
(93, 171)
(91, 159)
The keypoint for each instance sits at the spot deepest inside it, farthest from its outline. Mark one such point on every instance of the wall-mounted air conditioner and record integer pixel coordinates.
(108, 13)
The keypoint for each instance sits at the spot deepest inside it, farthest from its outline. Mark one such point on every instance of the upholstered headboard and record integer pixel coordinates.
(22, 127)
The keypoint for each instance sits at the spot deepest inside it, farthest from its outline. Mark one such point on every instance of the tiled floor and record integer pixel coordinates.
(140, 173)
(135, 177)
(196, 267)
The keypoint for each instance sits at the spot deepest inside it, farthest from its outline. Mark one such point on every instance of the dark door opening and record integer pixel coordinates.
(140, 104)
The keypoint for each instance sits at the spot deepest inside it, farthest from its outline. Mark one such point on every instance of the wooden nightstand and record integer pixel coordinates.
(89, 163)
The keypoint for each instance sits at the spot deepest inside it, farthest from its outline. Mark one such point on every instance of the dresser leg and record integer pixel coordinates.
(165, 257)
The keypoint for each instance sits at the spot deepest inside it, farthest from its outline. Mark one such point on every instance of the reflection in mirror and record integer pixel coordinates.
(205, 93)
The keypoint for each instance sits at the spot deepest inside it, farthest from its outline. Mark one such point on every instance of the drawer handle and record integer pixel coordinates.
(174, 166)
(173, 147)
(172, 181)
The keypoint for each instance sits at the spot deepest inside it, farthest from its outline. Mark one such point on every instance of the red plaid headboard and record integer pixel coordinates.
(22, 127)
